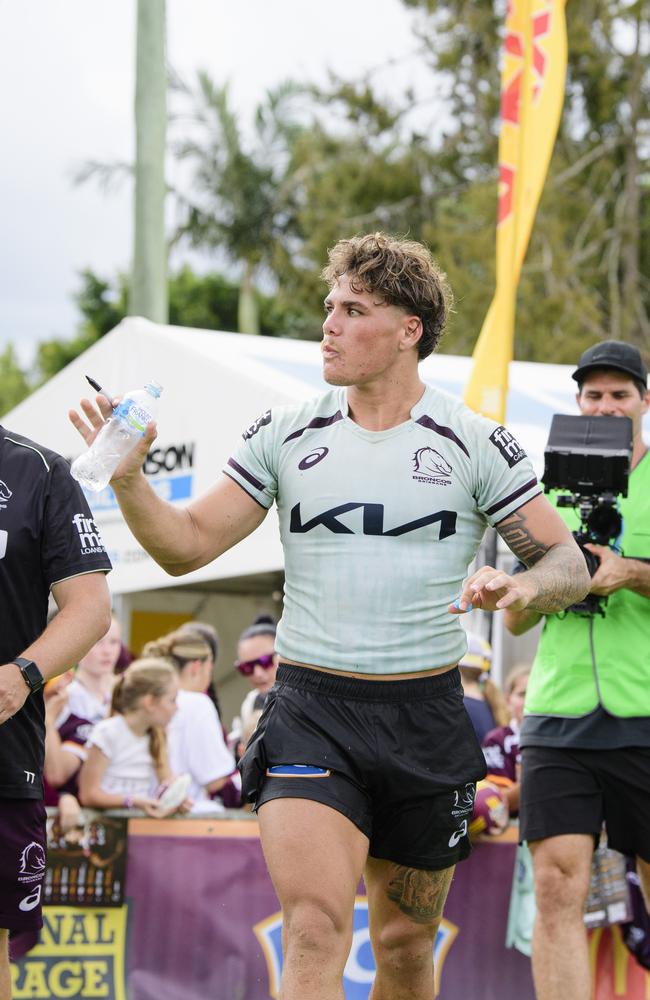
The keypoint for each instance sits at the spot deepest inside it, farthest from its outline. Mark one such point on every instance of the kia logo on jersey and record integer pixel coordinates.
(372, 521)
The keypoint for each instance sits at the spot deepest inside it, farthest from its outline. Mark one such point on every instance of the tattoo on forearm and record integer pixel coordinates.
(419, 894)
(559, 570)
(520, 540)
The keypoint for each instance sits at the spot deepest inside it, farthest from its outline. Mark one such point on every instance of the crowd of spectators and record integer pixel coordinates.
(120, 731)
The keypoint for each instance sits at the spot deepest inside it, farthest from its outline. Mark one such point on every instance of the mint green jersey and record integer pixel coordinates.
(379, 527)
(567, 680)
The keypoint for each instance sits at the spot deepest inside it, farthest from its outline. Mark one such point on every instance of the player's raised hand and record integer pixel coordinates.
(96, 414)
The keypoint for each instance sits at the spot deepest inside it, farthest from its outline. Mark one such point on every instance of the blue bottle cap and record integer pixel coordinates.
(154, 388)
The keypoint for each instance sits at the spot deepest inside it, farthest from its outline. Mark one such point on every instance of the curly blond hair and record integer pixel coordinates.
(402, 272)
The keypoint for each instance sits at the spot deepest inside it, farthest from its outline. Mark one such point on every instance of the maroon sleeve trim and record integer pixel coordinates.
(513, 496)
(248, 494)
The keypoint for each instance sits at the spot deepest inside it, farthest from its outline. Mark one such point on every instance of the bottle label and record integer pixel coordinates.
(135, 416)
(138, 418)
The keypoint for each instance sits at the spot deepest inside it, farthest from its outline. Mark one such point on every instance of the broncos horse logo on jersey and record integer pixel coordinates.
(429, 466)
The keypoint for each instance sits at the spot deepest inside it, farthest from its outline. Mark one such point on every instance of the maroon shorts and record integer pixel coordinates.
(22, 863)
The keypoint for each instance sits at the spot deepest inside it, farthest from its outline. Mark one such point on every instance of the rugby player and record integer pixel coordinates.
(364, 760)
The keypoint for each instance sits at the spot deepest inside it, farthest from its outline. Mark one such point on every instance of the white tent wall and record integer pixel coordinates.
(215, 386)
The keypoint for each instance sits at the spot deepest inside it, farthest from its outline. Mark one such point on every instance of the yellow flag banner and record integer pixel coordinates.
(532, 95)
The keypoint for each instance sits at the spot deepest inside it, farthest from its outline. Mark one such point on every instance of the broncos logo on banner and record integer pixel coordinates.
(359, 970)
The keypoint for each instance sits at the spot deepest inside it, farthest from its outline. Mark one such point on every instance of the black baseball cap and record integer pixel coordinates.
(612, 354)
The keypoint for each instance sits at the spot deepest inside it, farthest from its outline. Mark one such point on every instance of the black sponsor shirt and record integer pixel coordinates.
(47, 535)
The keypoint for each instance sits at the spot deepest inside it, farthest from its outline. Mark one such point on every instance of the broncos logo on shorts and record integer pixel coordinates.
(32, 859)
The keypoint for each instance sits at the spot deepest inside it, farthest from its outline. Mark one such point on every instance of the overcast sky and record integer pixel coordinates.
(67, 78)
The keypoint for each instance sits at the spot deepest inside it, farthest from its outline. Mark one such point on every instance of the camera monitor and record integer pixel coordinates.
(590, 456)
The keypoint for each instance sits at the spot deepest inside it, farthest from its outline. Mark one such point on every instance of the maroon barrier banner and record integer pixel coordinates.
(201, 920)
(218, 895)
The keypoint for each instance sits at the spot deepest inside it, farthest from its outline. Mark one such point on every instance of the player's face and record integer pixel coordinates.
(102, 657)
(613, 394)
(363, 338)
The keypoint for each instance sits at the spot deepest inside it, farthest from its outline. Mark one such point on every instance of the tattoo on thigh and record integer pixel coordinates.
(519, 540)
(420, 894)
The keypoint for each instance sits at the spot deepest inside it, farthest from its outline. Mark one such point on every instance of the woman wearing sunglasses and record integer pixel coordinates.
(258, 662)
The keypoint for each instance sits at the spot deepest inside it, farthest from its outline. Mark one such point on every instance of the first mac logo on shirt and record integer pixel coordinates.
(89, 536)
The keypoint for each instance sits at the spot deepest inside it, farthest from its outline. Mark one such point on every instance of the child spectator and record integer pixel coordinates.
(127, 753)
(501, 745)
(74, 702)
(89, 694)
(484, 702)
(195, 737)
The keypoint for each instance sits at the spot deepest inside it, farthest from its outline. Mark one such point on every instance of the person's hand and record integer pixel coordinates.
(96, 415)
(492, 590)
(13, 691)
(611, 575)
(69, 813)
(149, 806)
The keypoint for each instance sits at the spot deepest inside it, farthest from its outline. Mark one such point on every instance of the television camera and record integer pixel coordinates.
(590, 457)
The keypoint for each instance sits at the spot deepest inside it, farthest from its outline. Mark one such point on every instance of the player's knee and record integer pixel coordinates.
(405, 946)
(313, 926)
(560, 889)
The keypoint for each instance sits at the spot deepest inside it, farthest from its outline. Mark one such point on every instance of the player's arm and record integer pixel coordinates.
(180, 539)
(557, 574)
(183, 539)
(84, 617)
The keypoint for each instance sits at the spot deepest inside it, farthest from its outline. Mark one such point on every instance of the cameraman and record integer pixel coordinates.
(586, 733)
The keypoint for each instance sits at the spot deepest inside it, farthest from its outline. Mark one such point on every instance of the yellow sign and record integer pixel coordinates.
(80, 956)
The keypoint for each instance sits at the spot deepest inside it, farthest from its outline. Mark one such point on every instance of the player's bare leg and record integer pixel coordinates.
(315, 857)
(404, 908)
(560, 956)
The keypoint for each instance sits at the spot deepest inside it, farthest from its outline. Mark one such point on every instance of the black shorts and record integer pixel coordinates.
(576, 791)
(22, 863)
(399, 758)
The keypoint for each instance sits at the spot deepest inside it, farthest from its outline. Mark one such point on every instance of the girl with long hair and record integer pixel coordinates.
(195, 736)
(127, 753)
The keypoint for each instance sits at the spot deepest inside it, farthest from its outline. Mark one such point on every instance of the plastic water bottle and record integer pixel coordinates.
(117, 437)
